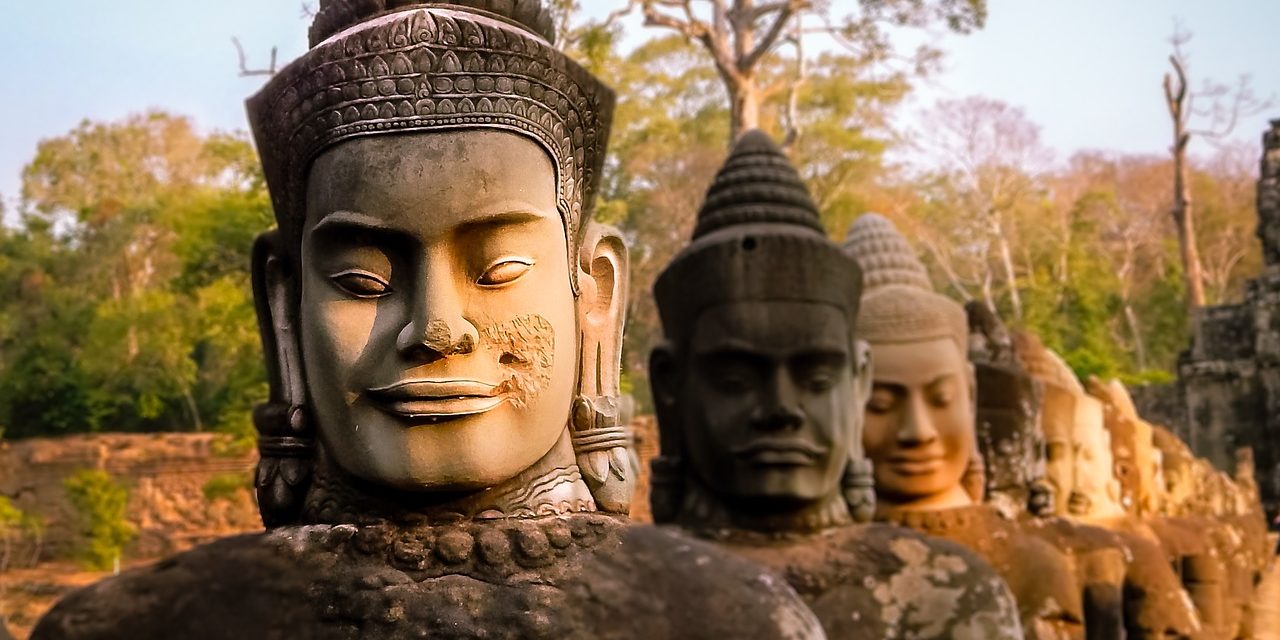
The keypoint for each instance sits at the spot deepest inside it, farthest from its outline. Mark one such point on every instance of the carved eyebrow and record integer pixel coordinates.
(503, 218)
(345, 224)
(946, 377)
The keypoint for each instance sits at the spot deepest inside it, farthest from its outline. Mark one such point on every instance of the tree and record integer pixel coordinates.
(101, 503)
(1226, 107)
(742, 37)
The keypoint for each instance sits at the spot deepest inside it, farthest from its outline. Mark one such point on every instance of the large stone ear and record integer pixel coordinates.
(286, 443)
(599, 440)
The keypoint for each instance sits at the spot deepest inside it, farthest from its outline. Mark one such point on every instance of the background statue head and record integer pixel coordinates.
(436, 307)
(1059, 408)
(1008, 414)
(760, 385)
(919, 429)
(1176, 462)
(1131, 447)
(1096, 492)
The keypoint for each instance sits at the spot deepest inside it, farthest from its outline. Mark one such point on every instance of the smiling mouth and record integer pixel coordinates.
(915, 465)
(438, 400)
(779, 452)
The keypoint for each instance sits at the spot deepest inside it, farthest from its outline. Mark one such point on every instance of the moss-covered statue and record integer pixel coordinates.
(760, 390)
(920, 431)
(441, 456)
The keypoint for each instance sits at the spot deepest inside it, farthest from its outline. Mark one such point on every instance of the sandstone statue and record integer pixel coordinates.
(760, 390)
(1079, 467)
(1008, 427)
(920, 431)
(441, 455)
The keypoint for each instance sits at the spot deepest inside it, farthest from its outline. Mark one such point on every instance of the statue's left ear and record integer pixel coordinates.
(600, 442)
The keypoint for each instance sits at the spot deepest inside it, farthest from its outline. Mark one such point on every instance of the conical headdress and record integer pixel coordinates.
(899, 304)
(392, 66)
(758, 238)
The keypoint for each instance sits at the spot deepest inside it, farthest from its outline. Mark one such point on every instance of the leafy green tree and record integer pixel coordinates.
(101, 503)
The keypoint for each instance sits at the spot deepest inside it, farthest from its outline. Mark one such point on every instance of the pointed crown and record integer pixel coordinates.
(899, 304)
(758, 237)
(391, 66)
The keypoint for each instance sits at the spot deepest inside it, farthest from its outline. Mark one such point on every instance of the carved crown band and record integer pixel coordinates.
(433, 68)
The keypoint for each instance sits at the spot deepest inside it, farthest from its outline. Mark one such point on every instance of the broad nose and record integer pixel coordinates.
(780, 408)
(917, 425)
(436, 327)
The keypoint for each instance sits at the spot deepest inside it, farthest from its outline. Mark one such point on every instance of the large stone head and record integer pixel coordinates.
(436, 297)
(1008, 414)
(760, 384)
(919, 429)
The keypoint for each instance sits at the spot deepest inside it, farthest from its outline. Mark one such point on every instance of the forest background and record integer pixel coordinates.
(124, 294)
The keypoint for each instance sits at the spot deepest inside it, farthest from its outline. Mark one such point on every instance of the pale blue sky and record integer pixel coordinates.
(1088, 71)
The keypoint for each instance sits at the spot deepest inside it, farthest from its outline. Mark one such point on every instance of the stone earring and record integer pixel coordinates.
(859, 488)
(286, 448)
(602, 447)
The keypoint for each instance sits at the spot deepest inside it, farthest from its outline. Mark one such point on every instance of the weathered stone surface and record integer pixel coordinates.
(1228, 388)
(583, 576)
(876, 581)
(165, 474)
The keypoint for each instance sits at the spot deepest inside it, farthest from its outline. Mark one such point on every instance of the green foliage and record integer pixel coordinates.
(225, 486)
(101, 503)
(126, 299)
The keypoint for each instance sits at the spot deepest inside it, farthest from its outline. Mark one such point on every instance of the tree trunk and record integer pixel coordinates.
(746, 109)
(1010, 274)
(194, 410)
(1135, 329)
(1193, 273)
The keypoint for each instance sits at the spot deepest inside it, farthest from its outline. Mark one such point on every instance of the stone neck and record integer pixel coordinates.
(706, 512)
(552, 486)
(940, 522)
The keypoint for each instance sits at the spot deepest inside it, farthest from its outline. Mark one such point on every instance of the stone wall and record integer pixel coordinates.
(1229, 378)
(165, 474)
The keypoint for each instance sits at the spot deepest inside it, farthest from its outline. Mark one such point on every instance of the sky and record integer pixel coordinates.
(1087, 71)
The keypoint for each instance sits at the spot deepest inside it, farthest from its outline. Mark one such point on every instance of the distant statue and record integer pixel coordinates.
(1013, 446)
(920, 432)
(760, 389)
(1079, 465)
(442, 455)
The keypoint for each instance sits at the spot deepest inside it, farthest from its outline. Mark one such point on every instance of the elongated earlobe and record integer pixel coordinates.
(286, 440)
(600, 441)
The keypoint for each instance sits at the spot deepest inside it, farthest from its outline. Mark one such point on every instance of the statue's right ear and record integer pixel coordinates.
(274, 299)
(286, 443)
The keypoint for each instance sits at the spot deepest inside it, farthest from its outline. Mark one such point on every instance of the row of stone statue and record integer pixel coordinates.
(442, 453)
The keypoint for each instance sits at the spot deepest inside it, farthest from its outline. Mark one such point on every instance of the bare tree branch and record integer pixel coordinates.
(245, 71)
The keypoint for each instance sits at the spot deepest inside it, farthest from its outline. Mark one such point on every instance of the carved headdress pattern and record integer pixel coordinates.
(758, 237)
(899, 304)
(392, 66)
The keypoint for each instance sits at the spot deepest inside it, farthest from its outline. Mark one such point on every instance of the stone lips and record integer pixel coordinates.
(336, 15)
(433, 68)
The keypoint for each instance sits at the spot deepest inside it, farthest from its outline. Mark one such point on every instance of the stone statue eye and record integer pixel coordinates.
(881, 401)
(361, 284)
(819, 380)
(505, 271)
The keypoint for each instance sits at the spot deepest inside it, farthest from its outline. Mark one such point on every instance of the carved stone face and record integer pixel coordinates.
(769, 401)
(920, 422)
(438, 327)
(1096, 491)
(1057, 419)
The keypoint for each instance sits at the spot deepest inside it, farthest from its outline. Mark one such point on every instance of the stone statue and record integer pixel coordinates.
(920, 432)
(441, 455)
(1008, 412)
(1079, 465)
(760, 390)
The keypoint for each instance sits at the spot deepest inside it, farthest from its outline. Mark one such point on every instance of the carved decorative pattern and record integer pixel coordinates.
(433, 68)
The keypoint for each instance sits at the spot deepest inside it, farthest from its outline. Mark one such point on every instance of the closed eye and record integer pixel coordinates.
(360, 284)
(505, 272)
